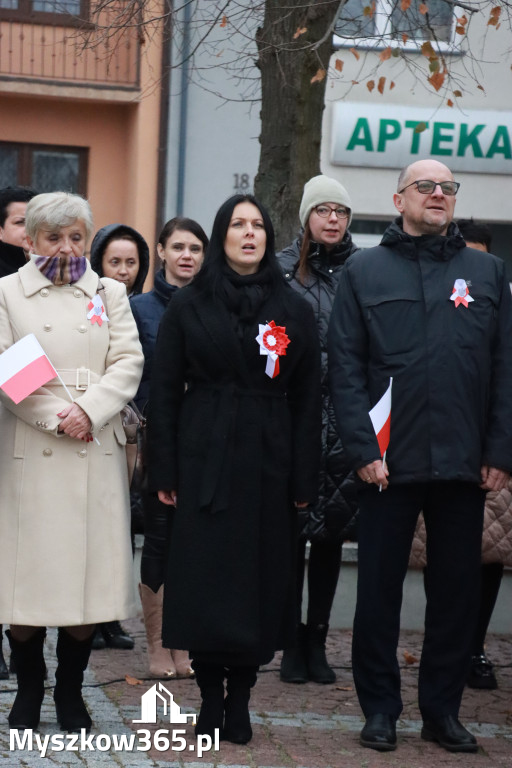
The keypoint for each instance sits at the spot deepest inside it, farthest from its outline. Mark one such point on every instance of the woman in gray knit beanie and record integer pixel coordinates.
(312, 265)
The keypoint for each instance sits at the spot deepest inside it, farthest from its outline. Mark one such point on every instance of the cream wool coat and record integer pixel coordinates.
(65, 551)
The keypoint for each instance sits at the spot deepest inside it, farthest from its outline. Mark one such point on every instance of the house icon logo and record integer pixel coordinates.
(159, 695)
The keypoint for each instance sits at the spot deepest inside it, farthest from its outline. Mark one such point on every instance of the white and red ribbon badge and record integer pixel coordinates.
(273, 341)
(460, 293)
(96, 313)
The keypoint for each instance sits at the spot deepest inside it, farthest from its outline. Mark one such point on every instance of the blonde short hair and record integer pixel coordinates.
(53, 210)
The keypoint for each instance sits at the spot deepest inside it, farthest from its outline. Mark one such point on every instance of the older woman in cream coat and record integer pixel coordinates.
(65, 552)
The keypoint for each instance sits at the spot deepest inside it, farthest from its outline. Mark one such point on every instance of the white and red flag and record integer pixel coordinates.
(24, 368)
(380, 415)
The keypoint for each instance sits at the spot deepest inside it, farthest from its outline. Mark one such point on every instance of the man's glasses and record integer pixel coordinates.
(325, 211)
(426, 187)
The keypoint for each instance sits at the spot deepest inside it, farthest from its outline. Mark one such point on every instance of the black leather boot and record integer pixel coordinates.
(30, 668)
(115, 636)
(319, 670)
(293, 664)
(237, 723)
(210, 679)
(72, 659)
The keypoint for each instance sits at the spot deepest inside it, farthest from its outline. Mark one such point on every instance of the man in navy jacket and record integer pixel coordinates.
(436, 316)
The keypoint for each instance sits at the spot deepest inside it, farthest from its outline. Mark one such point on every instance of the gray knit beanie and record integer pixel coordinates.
(322, 189)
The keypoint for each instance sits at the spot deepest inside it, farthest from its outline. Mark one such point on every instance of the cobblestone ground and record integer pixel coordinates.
(295, 726)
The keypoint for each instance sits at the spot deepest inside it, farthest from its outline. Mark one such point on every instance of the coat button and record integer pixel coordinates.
(47, 452)
(82, 329)
(82, 453)
(44, 292)
(78, 294)
(47, 327)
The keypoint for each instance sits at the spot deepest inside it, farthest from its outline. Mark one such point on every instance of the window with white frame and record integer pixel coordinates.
(395, 20)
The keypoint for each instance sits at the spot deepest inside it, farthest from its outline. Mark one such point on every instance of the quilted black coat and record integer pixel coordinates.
(334, 516)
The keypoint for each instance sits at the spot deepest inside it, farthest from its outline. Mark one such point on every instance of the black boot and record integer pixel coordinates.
(210, 679)
(72, 659)
(30, 667)
(293, 664)
(237, 723)
(115, 636)
(319, 670)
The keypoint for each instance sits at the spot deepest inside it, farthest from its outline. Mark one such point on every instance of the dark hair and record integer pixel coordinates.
(182, 224)
(10, 195)
(210, 275)
(474, 232)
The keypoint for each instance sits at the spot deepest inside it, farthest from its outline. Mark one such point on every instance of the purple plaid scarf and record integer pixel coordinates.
(61, 270)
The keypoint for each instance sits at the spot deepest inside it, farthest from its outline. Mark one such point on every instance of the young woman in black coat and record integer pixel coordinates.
(234, 445)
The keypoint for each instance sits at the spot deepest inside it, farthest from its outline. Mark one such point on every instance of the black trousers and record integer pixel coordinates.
(453, 515)
(323, 572)
(157, 530)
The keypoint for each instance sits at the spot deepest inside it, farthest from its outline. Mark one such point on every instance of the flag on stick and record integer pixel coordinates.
(380, 415)
(24, 367)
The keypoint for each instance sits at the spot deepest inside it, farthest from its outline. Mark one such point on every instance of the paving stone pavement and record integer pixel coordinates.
(295, 726)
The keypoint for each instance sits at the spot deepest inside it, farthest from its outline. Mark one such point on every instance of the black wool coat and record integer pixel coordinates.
(239, 448)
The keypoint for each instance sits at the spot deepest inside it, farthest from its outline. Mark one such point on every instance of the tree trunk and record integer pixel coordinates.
(292, 106)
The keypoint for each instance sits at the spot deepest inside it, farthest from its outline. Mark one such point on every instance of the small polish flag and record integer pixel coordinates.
(380, 415)
(24, 368)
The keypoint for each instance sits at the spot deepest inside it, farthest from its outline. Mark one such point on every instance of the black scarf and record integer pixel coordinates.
(244, 295)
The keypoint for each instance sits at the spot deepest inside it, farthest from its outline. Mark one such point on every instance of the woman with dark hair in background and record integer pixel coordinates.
(234, 443)
(181, 247)
(121, 253)
(312, 265)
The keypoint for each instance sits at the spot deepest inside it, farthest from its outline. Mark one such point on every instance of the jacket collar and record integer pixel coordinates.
(32, 280)
(438, 247)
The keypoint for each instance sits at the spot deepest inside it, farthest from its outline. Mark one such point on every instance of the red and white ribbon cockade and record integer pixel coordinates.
(273, 341)
(96, 313)
(460, 293)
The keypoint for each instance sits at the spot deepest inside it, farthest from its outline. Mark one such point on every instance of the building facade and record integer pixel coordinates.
(80, 107)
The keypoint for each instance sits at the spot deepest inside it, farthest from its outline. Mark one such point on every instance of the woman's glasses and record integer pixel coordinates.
(325, 210)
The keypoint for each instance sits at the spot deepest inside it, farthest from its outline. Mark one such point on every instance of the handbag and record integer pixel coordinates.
(134, 425)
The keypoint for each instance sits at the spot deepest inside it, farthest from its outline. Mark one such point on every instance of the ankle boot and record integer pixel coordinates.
(319, 670)
(182, 663)
(293, 664)
(237, 723)
(4, 672)
(161, 663)
(210, 679)
(30, 667)
(115, 636)
(72, 659)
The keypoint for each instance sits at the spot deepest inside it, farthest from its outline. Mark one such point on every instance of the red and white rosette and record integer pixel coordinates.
(273, 341)
(460, 293)
(96, 311)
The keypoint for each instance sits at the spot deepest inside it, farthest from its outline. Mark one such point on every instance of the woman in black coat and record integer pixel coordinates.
(312, 266)
(234, 444)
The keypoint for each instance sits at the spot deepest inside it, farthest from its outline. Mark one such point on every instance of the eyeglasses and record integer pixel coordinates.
(427, 187)
(325, 211)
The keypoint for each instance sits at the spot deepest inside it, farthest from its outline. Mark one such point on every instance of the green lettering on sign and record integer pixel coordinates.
(389, 130)
(469, 138)
(361, 136)
(438, 138)
(416, 135)
(500, 144)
